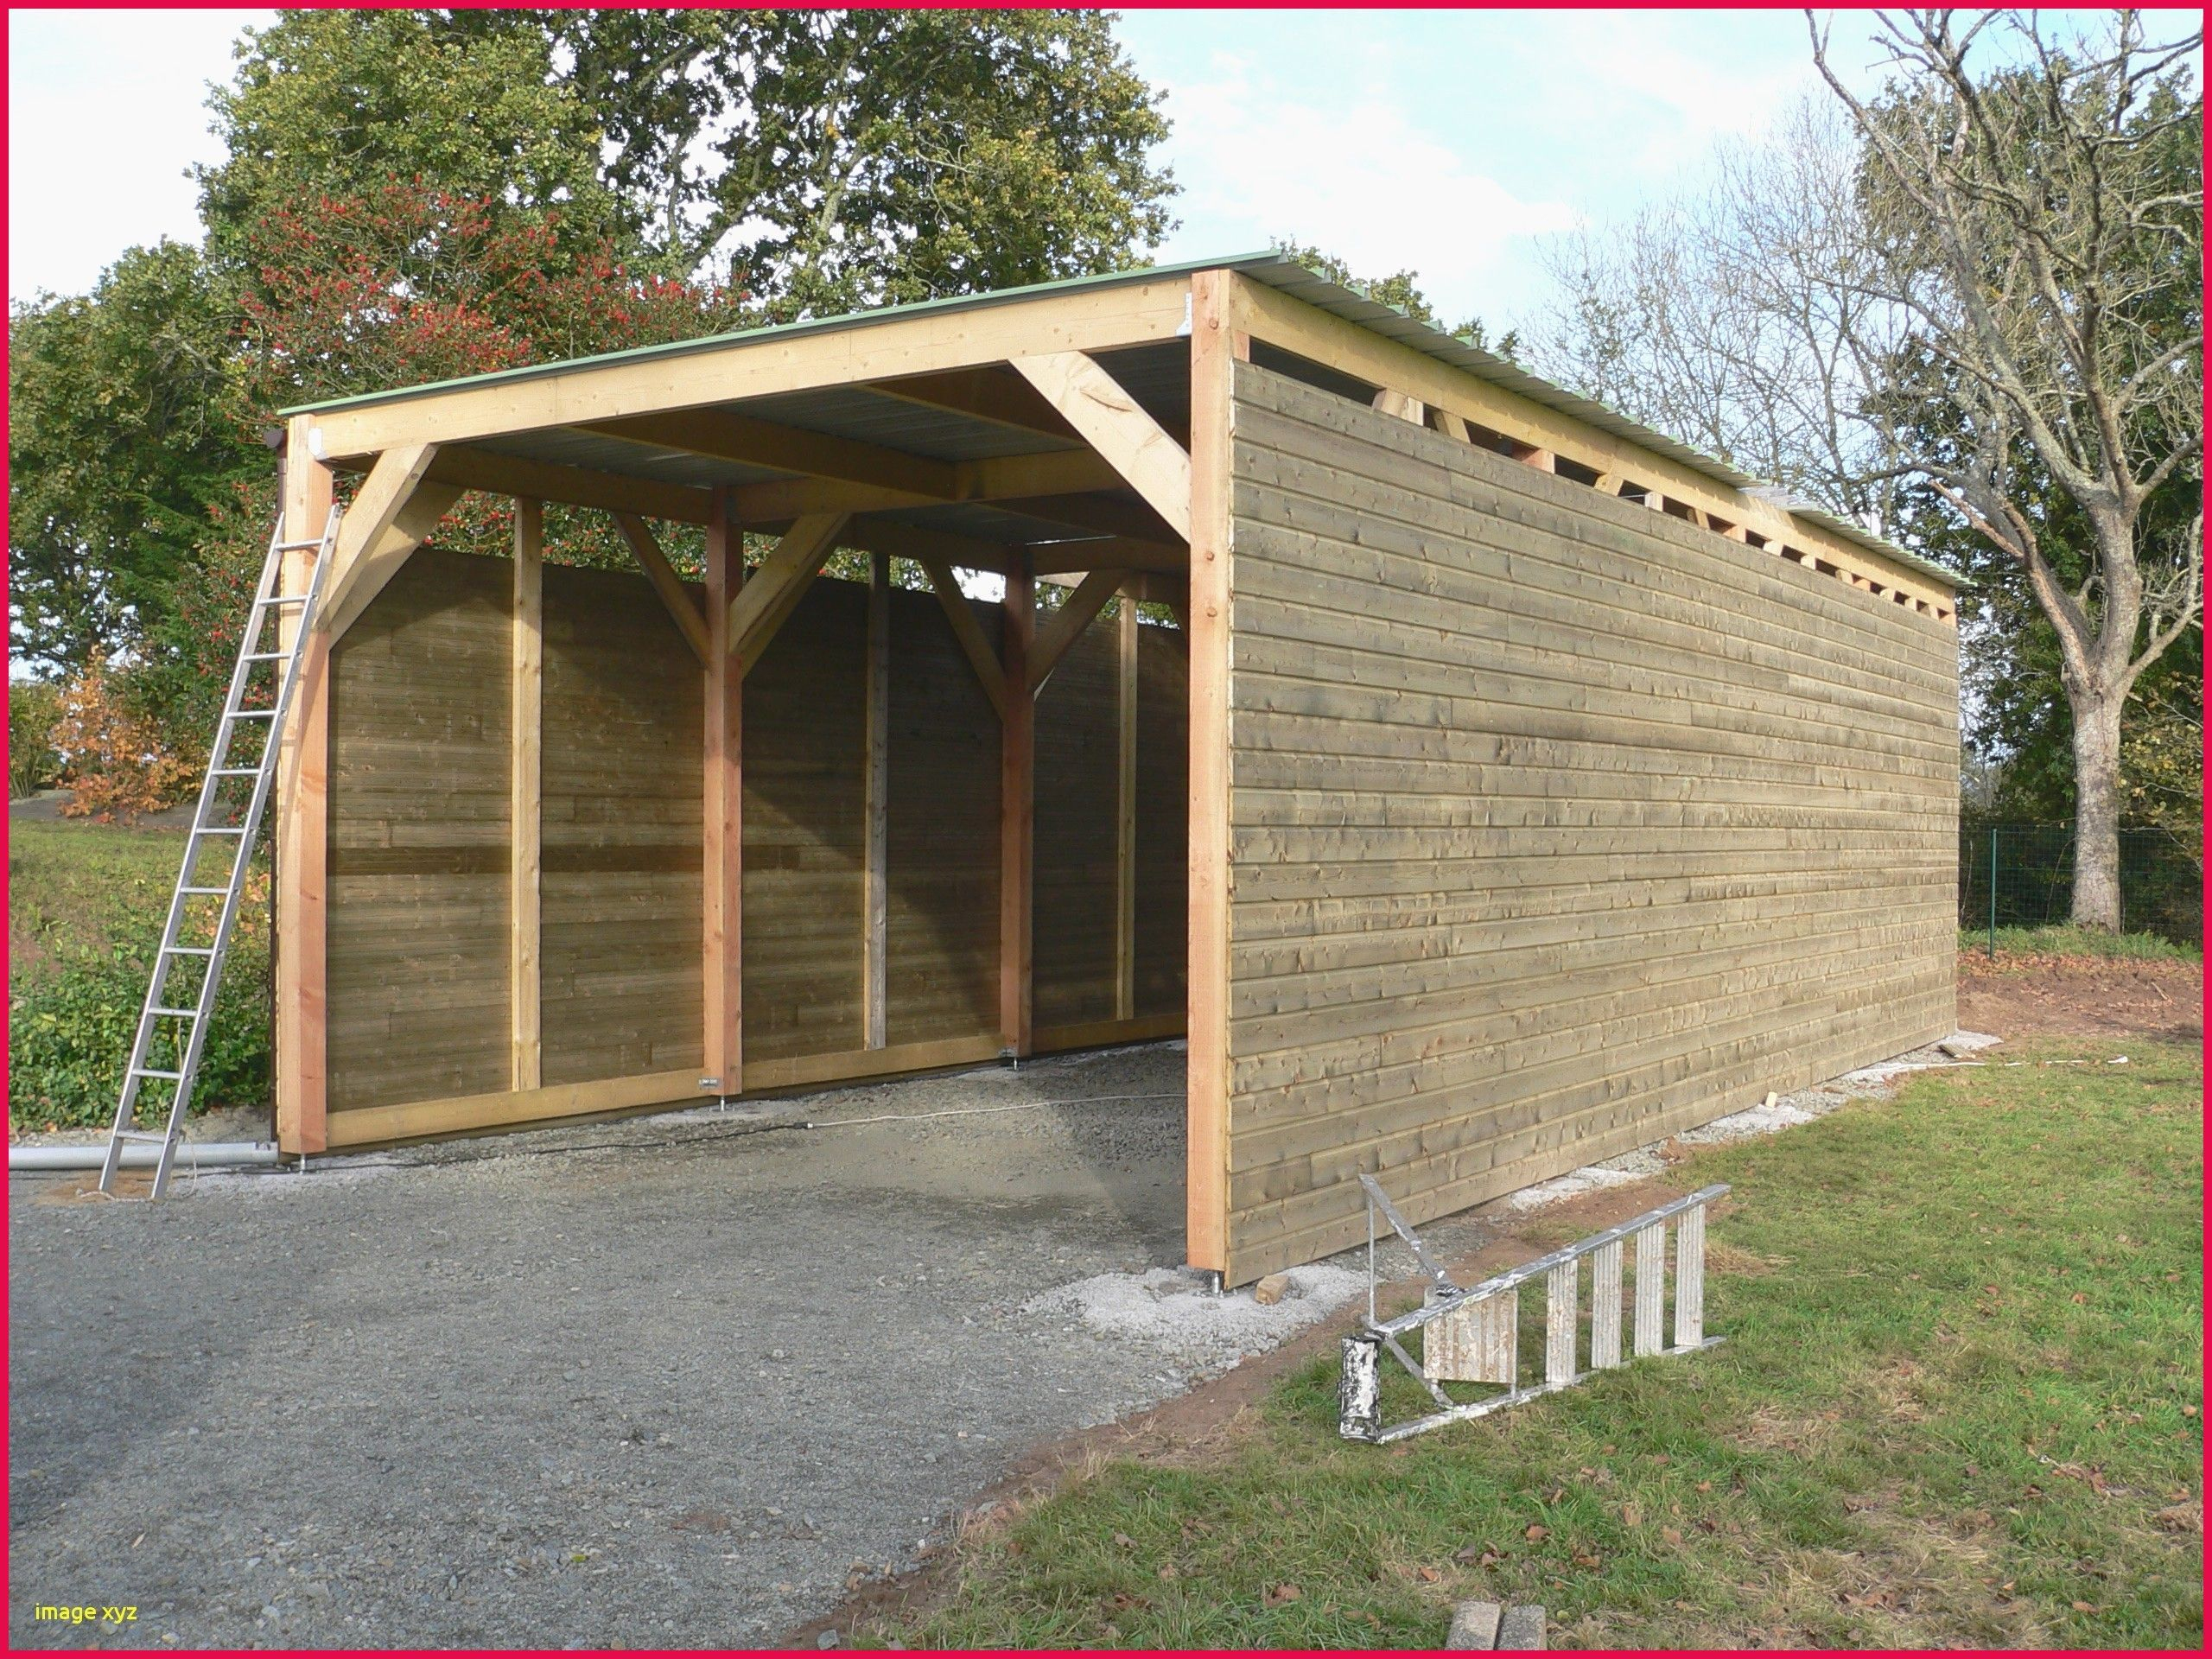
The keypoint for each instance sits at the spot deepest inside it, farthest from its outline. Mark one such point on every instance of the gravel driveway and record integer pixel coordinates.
(664, 1384)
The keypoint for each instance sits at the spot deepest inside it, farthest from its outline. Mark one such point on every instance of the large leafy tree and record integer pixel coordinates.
(818, 160)
(832, 159)
(340, 103)
(2042, 229)
(121, 434)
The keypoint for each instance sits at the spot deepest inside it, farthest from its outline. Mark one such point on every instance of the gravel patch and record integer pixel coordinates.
(679, 1383)
(1172, 1313)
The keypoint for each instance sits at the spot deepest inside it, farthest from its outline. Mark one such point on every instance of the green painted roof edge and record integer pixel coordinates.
(807, 325)
(1271, 267)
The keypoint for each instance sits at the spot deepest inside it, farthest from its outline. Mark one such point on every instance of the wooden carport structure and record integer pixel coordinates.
(1491, 724)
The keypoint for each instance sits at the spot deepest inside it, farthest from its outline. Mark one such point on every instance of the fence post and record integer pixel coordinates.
(1992, 892)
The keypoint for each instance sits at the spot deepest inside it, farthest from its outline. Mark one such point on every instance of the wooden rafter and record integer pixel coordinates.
(974, 643)
(1068, 623)
(668, 585)
(1119, 429)
(577, 487)
(724, 435)
(391, 514)
(982, 394)
(1103, 515)
(772, 593)
(1405, 406)
(1119, 552)
(1048, 472)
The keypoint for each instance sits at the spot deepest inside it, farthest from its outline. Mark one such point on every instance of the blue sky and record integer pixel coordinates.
(1446, 142)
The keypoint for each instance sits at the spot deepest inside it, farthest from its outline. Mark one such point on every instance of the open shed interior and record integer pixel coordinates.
(1511, 786)
(421, 843)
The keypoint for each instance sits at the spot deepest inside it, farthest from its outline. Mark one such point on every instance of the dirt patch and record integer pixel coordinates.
(2080, 997)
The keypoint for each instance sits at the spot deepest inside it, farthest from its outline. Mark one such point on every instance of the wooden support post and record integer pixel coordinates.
(1125, 831)
(876, 892)
(1205, 1186)
(303, 830)
(527, 747)
(1017, 815)
(723, 809)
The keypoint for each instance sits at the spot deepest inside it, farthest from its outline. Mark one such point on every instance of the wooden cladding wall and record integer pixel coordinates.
(1078, 755)
(941, 857)
(619, 899)
(417, 941)
(421, 748)
(1075, 907)
(806, 830)
(1558, 825)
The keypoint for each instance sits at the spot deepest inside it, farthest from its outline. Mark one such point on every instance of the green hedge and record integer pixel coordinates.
(69, 1033)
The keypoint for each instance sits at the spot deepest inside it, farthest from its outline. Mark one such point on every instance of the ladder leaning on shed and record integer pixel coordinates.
(174, 1027)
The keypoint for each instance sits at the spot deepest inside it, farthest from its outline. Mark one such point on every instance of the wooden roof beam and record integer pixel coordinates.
(724, 435)
(1068, 623)
(395, 508)
(991, 395)
(668, 585)
(723, 371)
(577, 487)
(1118, 428)
(1049, 473)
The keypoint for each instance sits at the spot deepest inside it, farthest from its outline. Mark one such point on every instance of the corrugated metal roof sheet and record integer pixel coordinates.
(816, 409)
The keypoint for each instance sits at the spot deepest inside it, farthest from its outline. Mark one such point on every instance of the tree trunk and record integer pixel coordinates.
(2096, 808)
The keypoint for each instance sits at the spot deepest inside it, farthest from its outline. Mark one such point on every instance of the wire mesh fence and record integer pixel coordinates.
(2022, 875)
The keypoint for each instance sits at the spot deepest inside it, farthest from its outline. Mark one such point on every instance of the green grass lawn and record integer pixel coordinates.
(86, 903)
(1959, 1404)
(2043, 943)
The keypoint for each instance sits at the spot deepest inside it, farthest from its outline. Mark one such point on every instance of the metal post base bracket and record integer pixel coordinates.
(1474, 1334)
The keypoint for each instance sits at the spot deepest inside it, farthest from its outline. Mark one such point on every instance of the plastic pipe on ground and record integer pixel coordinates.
(212, 1154)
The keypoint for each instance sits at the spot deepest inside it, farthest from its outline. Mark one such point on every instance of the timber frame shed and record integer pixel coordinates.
(1518, 787)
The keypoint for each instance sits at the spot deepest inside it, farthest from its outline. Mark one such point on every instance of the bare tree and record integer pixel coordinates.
(2030, 224)
(1739, 320)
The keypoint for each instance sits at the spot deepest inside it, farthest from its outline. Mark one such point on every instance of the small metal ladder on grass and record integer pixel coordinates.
(172, 1028)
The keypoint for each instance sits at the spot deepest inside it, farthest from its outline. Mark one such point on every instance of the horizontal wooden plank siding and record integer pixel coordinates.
(1074, 907)
(806, 831)
(419, 811)
(417, 828)
(620, 895)
(1558, 825)
(942, 837)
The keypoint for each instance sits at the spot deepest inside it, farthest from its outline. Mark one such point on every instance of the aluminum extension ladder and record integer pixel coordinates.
(1472, 1334)
(176, 1030)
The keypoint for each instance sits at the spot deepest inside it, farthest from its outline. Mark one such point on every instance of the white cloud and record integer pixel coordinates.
(1357, 179)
